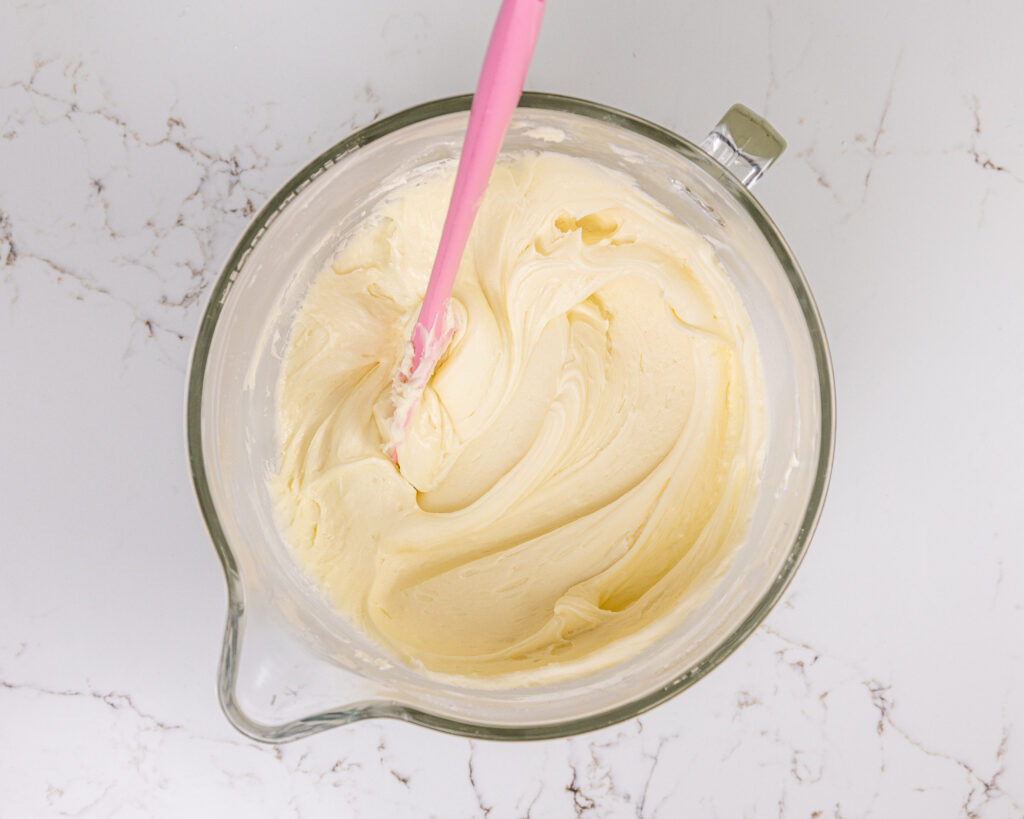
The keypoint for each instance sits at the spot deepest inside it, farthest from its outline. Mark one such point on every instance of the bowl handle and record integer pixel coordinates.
(745, 144)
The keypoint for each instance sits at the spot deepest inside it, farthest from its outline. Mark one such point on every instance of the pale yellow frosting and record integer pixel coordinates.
(584, 461)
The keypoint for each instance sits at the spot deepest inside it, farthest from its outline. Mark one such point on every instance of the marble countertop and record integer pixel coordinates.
(136, 140)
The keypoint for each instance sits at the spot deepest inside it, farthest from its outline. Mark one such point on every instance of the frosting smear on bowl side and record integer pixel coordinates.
(585, 459)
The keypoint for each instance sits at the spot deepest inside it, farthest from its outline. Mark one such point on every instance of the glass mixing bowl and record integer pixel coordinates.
(291, 665)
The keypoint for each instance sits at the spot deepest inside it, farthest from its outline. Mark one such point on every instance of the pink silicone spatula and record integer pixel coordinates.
(497, 94)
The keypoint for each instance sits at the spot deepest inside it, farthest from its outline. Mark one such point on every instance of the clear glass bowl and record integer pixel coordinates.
(301, 667)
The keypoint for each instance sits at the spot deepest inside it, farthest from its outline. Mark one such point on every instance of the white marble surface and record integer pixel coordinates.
(135, 141)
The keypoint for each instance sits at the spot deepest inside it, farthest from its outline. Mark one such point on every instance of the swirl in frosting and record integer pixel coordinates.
(585, 459)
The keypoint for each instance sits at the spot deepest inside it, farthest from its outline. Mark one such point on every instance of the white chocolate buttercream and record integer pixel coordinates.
(585, 458)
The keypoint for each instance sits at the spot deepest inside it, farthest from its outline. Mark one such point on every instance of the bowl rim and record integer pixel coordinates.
(228, 666)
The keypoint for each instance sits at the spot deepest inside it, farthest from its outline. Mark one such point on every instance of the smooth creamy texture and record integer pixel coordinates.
(585, 459)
